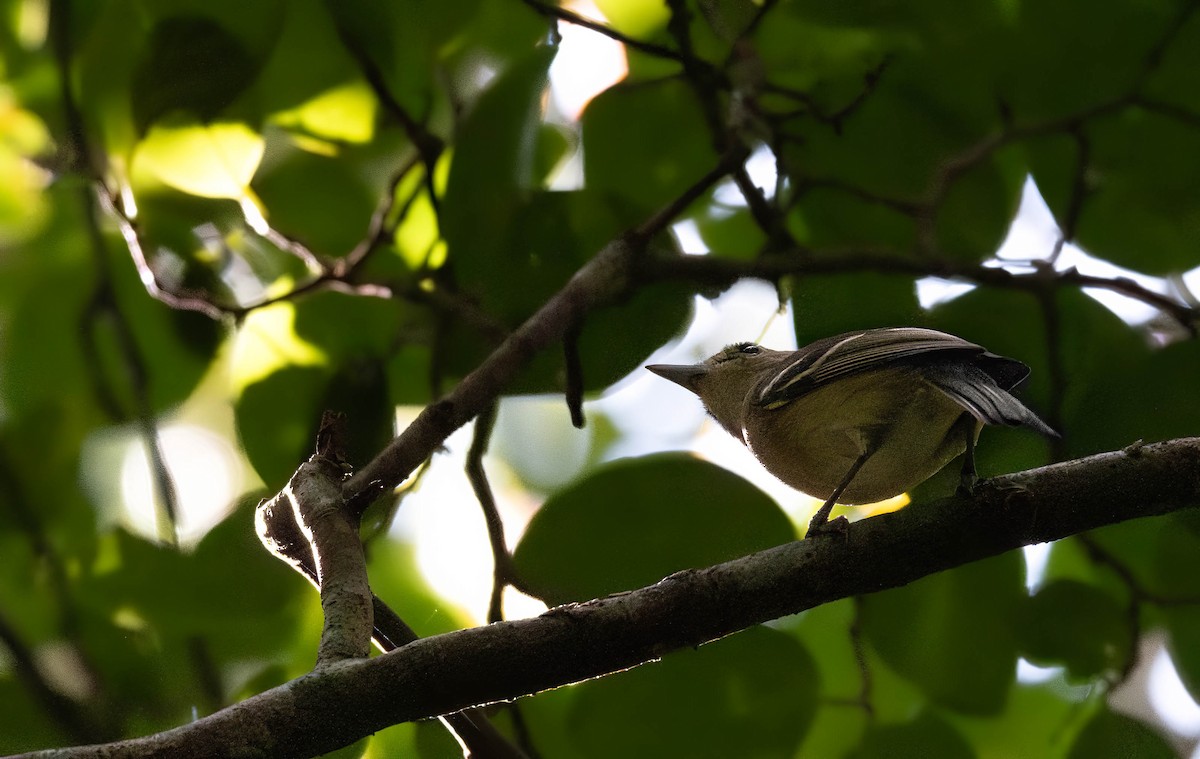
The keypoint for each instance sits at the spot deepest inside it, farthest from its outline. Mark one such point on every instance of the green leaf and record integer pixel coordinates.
(549, 238)
(529, 256)
(359, 391)
(58, 261)
(494, 160)
(292, 77)
(1138, 385)
(836, 218)
(824, 306)
(409, 374)
(926, 736)
(1042, 80)
(840, 723)
(752, 694)
(1134, 545)
(827, 60)
(635, 521)
(204, 595)
(214, 160)
(490, 29)
(293, 361)
(27, 727)
(277, 419)
(324, 202)
(636, 18)
(1109, 735)
(979, 205)
(672, 150)
(1170, 79)
(174, 348)
(546, 715)
(353, 751)
(410, 42)
(345, 326)
(952, 634)
(870, 170)
(1077, 625)
(618, 339)
(396, 578)
(1140, 207)
(1174, 563)
(423, 740)
(107, 55)
(512, 245)
(729, 232)
(1038, 720)
(191, 64)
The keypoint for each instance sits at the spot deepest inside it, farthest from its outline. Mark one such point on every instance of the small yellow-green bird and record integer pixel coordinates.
(861, 416)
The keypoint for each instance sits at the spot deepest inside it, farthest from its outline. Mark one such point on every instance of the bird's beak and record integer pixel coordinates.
(687, 375)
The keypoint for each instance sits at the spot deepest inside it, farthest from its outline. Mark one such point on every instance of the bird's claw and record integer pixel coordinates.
(837, 526)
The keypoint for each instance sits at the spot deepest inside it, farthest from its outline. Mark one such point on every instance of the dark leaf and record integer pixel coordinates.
(661, 514)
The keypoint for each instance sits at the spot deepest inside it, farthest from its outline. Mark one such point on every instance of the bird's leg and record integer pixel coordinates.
(820, 523)
(968, 477)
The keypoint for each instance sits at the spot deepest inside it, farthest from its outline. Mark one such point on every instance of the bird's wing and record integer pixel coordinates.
(977, 392)
(834, 358)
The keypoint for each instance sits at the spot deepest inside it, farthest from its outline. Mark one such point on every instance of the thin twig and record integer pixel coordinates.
(146, 273)
(1170, 34)
(503, 573)
(1133, 612)
(551, 10)
(1052, 328)
(860, 656)
(1079, 188)
(428, 145)
(573, 365)
(703, 78)
(103, 298)
(714, 272)
(65, 712)
(378, 229)
(317, 264)
(659, 221)
(837, 118)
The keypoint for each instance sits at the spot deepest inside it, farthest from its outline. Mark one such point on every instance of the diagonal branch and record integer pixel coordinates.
(600, 279)
(503, 573)
(604, 277)
(567, 644)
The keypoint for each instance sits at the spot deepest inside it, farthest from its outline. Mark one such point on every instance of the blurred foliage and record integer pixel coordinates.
(281, 207)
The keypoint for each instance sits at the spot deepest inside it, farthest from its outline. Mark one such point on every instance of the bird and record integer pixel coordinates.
(861, 416)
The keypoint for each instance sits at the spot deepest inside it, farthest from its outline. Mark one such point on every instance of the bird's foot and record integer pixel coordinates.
(831, 527)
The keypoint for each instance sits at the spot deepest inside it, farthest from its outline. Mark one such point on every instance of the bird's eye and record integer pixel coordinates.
(751, 349)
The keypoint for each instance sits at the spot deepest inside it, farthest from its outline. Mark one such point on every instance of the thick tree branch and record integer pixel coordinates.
(315, 496)
(314, 488)
(443, 674)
